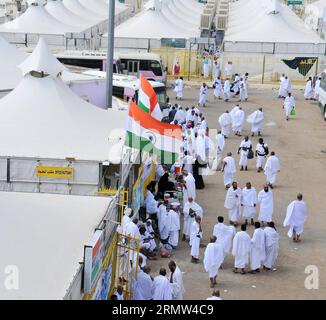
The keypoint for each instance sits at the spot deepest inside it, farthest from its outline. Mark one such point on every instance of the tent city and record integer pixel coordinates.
(162, 150)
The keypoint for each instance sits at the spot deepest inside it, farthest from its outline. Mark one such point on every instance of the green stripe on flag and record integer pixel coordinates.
(136, 142)
(143, 107)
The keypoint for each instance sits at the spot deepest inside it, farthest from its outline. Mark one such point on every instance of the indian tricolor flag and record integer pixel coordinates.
(147, 99)
(147, 134)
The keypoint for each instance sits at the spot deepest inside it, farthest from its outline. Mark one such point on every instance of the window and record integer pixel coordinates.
(156, 67)
(118, 92)
(161, 96)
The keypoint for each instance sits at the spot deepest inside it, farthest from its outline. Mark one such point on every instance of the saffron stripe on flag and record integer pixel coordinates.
(150, 123)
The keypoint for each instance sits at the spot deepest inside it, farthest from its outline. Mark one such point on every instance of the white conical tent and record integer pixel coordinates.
(96, 6)
(57, 9)
(42, 60)
(10, 58)
(37, 20)
(43, 118)
(166, 22)
(77, 8)
(251, 21)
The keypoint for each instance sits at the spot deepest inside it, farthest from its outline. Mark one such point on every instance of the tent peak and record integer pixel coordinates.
(36, 2)
(42, 61)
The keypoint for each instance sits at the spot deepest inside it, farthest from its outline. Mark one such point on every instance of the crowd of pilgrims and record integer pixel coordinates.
(159, 224)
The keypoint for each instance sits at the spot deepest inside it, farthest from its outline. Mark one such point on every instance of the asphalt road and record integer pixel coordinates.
(299, 144)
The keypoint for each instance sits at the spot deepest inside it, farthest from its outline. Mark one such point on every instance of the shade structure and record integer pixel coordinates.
(43, 118)
(44, 235)
(42, 60)
(59, 11)
(251, 21)
(10, 58)
(37, 20)
(166, 21)
(77, 8)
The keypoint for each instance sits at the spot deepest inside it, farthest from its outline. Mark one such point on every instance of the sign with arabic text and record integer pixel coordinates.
(54, 172)
(303, 64)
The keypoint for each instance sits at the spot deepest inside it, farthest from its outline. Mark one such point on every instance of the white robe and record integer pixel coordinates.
(238, 120)
(256, 119)
(226, 90)
(143, 287)
(229, 170)
(200, 147)
(190, 190)
(296, 217)
(220, 143)
(132, 230)
(162, 289)
(180, 116)
(163, 222)
(179, 88)
(283, 88)
(289, 104)
(174, 228)
(232, 114)
(261, 155)
(216, 70)
(246, 86)
(257, 252)
(225, 122)
(202, 95)
(241, 249)
(236, 86)
(308, 90)
(249, 200)
(124, 224)
(151, 203)
(187, 162)
(188, 221)
(195, 237)
(317, 89)
(243, 91)
(272, 168)
(244, 153)
(266, 201)
(218, 88)
(232, 203)
(206, 68)
(177, 287)
(271, 246)
(213, 258)
(224, 235)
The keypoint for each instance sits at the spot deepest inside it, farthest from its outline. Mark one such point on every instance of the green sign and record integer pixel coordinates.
(294, 2)
(173, 43)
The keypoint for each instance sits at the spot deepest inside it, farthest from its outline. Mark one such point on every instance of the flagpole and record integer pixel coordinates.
(110, 52)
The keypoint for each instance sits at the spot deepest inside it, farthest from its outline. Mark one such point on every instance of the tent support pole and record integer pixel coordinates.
(110, 51)
(189, 60)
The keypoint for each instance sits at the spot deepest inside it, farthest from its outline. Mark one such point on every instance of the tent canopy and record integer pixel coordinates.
(60, 12)
(37, 20)
(43, 118)
(10, 58)
(166, 21)
(251, 21)
(42, 60)
(44, 236)
(317, 5)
